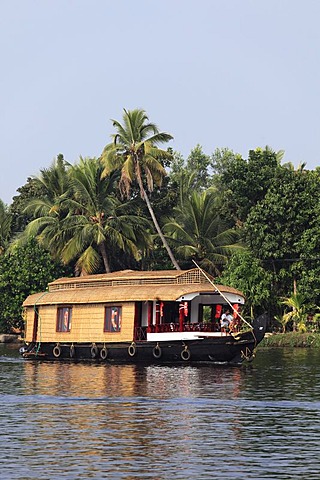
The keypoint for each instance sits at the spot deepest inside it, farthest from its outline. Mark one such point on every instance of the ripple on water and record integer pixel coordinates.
(79, 421)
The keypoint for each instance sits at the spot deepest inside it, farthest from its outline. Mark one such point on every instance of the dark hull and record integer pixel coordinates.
(222, 349)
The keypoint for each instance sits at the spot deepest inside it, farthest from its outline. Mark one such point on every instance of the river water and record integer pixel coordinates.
(85, 421)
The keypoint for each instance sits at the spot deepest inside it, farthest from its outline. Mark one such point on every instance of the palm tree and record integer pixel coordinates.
(97, 221)
(300, 168)
(134, 150)
(79, 215)
(297, 314)
(199, 232)
(48, 209)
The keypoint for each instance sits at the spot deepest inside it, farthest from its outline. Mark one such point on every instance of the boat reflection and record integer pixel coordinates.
(137, 407)
(81, 379)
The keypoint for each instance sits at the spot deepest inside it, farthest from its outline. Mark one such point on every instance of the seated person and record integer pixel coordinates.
(226, 320)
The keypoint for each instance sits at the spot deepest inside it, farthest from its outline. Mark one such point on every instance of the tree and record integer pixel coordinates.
(47, 209)
(247, 273)
(198, 166)
(199, 232)
(297, 313)
(194, 173)
(5, 226)
(79, 218)
(30, 191)
(283, 230)
(134, 150)
(24, 270)
(244, 183)
(97, 222)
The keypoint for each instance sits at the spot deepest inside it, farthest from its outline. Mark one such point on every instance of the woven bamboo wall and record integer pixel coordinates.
(29, 318)
(86, 326)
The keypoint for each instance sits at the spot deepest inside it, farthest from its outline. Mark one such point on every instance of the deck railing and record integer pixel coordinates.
(141, 332)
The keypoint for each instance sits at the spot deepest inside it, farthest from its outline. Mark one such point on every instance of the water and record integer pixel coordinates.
(82, 421)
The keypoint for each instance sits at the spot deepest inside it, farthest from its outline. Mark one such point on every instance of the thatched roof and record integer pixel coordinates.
(166, 285)
(132, 277)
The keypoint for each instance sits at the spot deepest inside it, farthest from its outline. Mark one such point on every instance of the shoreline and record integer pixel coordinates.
(10, 338)
(291, 339)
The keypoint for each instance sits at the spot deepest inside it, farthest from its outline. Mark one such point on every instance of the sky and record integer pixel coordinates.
(237, 74)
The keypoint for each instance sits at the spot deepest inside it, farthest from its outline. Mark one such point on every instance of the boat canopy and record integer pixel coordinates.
(130, 286)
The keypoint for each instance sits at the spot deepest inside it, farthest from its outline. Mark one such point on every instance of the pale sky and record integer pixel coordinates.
(220, 73)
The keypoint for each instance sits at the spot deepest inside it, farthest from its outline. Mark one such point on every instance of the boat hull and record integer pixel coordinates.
(226, 349)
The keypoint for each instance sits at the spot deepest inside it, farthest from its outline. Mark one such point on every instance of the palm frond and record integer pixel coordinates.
(89, 262)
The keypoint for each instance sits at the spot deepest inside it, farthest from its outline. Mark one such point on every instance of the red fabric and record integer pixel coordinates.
(181, 316)
(161, 309)
(235, 310)
(218, 311)
(149, 317)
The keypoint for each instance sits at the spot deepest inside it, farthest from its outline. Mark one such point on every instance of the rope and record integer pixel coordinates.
(247, 355)
(222, 295)
(226, 299)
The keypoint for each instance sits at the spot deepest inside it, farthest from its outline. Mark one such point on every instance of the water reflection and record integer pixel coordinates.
(81, 379)
(79, 421)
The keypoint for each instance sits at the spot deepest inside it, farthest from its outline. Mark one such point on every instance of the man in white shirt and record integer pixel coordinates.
(225, 321)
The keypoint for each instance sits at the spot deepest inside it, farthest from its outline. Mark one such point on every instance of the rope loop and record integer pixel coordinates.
(72, 351)
(56, 351)
(132, 349)
(185, 354)
(157, 352)
(103, 352)
(94, 350)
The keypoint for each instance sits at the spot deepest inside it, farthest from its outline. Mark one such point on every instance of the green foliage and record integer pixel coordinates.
(26, 270)
(134, 152)
(291, 339)
(47, 209)
(244, 183)
(82, 218)
(199, 233)
(275, 224)
(246, 273)
(5, 227)
(283, 231)
(194, 174)
(31, 190)
(297, 313)
(97, 222)
(198, 164)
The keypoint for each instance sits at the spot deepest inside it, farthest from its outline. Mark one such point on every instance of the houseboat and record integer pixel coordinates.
(170, 316)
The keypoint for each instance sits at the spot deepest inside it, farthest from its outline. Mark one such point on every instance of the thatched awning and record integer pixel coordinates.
(102, 294)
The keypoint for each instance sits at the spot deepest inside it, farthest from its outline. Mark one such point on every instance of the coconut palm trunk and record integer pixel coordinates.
(157, 227)
(104, 255)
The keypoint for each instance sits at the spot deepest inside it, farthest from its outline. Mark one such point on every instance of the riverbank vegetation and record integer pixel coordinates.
(291, 339)
(253, 223)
